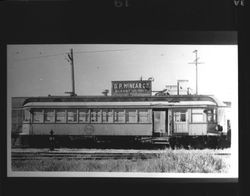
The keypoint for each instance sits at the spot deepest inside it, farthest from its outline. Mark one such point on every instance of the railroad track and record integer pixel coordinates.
(222, 154)
(83, 156)
(97, 155)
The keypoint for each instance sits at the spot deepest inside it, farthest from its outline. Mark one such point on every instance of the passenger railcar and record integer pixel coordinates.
(183, 120)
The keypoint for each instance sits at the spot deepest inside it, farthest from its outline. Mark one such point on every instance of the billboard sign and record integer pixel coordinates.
(132, 88)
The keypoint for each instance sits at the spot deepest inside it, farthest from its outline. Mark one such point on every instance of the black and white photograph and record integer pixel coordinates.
(122, 110)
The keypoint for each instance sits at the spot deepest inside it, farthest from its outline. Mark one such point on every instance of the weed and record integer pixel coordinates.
(176, 161)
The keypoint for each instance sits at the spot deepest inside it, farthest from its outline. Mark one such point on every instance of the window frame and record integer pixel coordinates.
(67, 116)
(127, 117)
(204, 121)
(27, 113)
(53, 115)
(33, 115)
(87, 116)
(213, 115)
(180, 114)
(107, 111)
(147, 116)
(64, 116)
(116, 116)
(97, 115)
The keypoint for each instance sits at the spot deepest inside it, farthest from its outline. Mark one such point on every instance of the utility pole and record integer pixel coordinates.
(70, 58)
(196, 65)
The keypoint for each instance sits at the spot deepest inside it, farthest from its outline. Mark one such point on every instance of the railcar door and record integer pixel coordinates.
(159, 122)
(180, 122)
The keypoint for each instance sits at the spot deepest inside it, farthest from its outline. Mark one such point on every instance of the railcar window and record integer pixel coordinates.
(131, 116)
(84, 115)
(26, 115)
(60, 115)
(215, 117)
(144, 116)
(211, 115)
(198, 116)
(107, 115)
(49, 115)
(96, 116)
(183, 117)
(180, 117)
(72, 115)
(38, 116)
(119, 116)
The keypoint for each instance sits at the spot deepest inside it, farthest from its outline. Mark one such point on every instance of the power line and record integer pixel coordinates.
(51, 55)
(37, 57)
(96, 51)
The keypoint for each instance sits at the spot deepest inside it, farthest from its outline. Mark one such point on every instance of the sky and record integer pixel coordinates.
(40, 70)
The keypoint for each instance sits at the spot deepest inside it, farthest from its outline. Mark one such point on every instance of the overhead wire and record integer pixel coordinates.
(96, 51)
(42, 56)
(75, 52)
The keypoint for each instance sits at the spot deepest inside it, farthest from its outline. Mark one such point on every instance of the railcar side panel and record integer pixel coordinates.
(197, 129)
(93, 129)
(26, 129)
(180, 121)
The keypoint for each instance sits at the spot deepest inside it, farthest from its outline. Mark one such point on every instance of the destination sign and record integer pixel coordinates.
(132, 88)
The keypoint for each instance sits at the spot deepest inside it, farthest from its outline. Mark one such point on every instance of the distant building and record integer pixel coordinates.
(172, 90)
(16, 114)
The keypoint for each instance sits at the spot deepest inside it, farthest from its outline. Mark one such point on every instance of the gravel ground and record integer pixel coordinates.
(84, 150)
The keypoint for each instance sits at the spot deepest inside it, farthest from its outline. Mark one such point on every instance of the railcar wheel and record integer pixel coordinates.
(198, 144)
(186, 143)
(172, 143)
(212, 142)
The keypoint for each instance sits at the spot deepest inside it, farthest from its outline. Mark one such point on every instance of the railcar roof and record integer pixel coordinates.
(120, 104)
(136, 100)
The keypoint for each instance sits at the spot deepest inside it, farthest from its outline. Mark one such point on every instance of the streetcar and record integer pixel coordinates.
(174, 120)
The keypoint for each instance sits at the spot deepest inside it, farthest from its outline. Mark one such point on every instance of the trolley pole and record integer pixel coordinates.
(196, 69)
